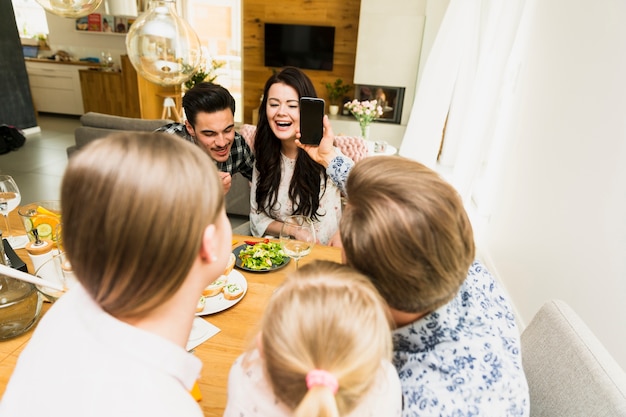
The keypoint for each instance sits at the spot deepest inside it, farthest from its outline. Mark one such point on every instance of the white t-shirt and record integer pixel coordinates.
(250, 393)
(81, 361)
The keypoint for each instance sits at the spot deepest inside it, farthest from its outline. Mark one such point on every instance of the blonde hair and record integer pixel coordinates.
(407, 230)
(325, 316)
(134, 208)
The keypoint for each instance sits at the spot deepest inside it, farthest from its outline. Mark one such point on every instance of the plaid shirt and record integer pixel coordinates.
(241, 158)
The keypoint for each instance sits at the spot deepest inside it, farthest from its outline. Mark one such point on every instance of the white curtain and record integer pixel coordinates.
(462, 82)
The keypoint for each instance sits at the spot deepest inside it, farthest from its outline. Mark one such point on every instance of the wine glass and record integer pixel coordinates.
(10, 198)
(297, 236)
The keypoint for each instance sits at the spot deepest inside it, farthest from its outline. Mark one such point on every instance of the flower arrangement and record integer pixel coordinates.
(201, 74)
(364, 112)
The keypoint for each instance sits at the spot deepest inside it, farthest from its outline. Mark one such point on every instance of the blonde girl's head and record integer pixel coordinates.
(329, 319)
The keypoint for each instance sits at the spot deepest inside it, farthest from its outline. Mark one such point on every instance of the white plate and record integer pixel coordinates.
(218, 303)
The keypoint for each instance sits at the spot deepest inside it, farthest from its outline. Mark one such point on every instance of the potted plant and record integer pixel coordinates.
(336, 92)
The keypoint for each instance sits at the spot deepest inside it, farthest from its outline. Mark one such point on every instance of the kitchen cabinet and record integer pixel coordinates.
(103, 92)
(55, 87)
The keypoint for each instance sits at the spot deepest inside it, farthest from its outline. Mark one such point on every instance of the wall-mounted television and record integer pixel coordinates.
(302, 46)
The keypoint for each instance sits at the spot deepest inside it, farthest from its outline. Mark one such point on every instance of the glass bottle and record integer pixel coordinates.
(20, 303)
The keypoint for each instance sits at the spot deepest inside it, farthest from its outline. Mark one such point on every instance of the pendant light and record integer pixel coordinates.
(162, 47)
(70, 8)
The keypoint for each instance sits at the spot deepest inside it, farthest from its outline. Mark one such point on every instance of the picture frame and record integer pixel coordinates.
(391, 100)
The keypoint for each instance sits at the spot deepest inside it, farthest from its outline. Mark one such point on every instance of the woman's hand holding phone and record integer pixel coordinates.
(325, 151)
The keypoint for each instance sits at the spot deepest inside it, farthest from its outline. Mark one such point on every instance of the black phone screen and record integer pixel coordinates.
(311, 116)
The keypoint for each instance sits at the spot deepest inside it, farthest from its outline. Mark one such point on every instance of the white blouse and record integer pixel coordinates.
(329, 207)
(250, 393)
(81, 361)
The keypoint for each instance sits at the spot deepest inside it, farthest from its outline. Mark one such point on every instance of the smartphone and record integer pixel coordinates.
(311, 116)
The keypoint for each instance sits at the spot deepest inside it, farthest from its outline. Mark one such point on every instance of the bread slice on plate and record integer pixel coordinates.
(201, 304)
(215, 287)
(231, 264)
(232, 291)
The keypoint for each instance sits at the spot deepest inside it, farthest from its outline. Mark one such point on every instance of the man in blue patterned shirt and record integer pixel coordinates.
(456, 343)
(210, 124)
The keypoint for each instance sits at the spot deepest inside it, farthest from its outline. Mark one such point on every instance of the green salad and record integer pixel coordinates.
(262, 256)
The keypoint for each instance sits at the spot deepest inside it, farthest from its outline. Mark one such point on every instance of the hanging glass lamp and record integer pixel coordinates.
(120, 7)
(70, 8)
(162, 47)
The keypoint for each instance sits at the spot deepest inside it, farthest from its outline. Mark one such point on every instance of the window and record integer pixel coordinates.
(218, 25)
(30, 18)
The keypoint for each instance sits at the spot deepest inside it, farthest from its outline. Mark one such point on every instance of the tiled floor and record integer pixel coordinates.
(37, 167)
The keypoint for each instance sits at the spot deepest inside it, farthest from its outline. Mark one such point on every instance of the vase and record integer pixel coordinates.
(365, 131)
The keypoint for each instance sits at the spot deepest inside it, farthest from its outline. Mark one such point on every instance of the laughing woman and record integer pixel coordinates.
(286, 180)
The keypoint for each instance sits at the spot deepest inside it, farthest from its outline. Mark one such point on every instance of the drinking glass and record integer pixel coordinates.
(10, 198)
(297, 236)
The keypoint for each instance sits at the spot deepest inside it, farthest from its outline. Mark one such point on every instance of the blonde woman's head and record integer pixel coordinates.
(134, 207)
(327, 317)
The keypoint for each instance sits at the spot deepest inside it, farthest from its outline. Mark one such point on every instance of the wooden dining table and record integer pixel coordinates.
(237, 325)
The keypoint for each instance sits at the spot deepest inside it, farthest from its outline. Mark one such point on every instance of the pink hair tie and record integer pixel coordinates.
(321, 378)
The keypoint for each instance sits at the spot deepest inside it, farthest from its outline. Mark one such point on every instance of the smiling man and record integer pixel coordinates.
(210, 112)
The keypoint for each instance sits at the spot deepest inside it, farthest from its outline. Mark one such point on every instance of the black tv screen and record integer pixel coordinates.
(302, 46)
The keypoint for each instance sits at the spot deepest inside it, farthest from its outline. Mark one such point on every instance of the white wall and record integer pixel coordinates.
(64, 36)
(388, 54)
(558, 224)
(433, 15)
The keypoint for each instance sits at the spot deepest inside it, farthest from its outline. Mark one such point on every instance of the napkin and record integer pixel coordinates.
(18, 242)
(201, 331)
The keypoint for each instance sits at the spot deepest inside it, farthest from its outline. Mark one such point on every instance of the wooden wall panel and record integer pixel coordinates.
(343, 15)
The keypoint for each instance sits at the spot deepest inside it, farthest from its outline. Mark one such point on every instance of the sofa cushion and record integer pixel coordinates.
(107, 121)
(83, 135)
(98, 125)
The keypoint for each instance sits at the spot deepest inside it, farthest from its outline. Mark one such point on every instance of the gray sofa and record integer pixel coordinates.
(97, 126)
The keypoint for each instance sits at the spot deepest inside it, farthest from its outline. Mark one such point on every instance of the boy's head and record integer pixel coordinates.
(207, 98)
(135, 207)
(210, 112)
(406, 229)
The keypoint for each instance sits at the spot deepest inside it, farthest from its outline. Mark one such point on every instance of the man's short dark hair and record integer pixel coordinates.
(208, 98)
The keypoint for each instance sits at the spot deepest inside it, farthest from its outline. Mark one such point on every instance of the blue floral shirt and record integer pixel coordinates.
(338, 171)
(464, 358)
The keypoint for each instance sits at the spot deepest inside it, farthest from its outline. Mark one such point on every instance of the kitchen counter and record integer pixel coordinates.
(52, 61)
